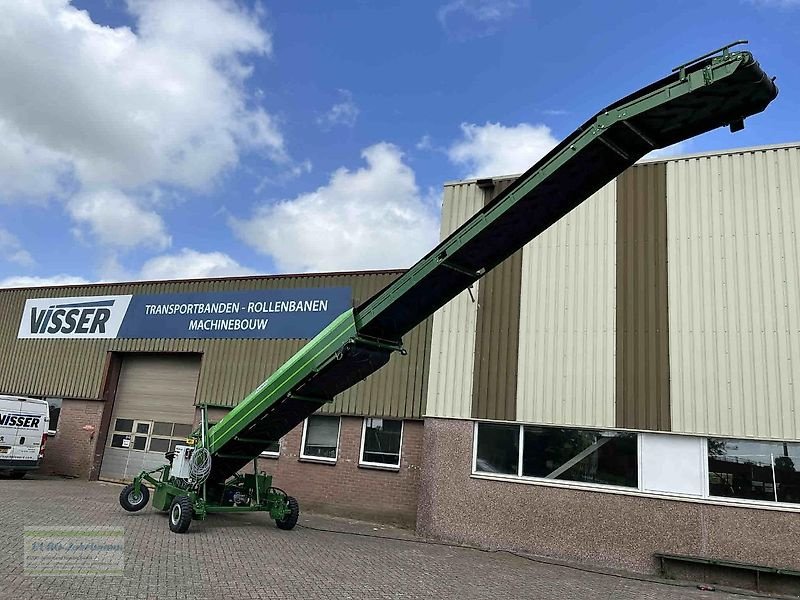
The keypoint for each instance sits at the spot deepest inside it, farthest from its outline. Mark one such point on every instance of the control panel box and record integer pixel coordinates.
(180, 464)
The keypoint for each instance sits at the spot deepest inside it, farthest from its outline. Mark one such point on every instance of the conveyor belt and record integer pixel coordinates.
(710, 92)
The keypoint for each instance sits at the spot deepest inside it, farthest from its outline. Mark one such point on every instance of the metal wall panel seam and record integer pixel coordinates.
(497, 335)
(789, 185)
(737, 351)
(642, 380)
(452, 346)
(566, 368)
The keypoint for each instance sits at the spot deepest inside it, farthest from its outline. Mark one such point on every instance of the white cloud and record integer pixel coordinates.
(28, 170)
(190, 264)
(371, 218)
(673, 150)
(164, 104)
(425, 143)
(185, 264)
(342, 113)
(31, 281)
(293, 172)
(494, 149)
(466, 19)
(118, 220)
(11, 250)
(86, 107)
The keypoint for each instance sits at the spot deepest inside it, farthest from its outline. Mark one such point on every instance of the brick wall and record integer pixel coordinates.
(345, 488)
(70, 451)
(613, 530)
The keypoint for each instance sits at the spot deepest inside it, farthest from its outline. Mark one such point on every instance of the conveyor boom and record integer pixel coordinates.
(711, 92)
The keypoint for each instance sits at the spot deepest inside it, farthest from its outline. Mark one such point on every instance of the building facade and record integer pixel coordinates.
(123, 390)
(626, 384)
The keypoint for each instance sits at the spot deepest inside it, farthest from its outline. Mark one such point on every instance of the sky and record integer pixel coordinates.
(161, 139)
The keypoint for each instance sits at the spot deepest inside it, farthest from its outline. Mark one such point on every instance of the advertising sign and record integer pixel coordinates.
(296, 313)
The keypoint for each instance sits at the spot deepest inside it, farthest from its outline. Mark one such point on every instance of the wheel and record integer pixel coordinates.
(131, 501)
(290, 519)
(17, 474)
(180, 514)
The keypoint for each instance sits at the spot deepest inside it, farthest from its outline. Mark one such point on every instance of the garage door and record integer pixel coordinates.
(153, 411)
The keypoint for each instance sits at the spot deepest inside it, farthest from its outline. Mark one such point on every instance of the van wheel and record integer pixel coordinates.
(17, 474)
(131, 501)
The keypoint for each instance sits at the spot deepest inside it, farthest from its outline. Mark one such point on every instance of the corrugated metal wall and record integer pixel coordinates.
(566, 346)
(734, 293)
(453, 338)
(231, 368)
(642, 359)
(705, 257)
(494, 393)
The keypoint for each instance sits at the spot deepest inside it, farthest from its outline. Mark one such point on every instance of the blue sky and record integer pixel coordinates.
(190, 138)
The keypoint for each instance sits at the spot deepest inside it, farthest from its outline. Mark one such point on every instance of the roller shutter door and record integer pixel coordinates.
(153, 411)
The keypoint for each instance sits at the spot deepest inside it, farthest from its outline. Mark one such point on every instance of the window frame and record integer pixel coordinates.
(375, 465)
(132, 435)
(320, 459)
(172, 439)
(745, 502)
(273, 455)
(543, 480)
(638, 491)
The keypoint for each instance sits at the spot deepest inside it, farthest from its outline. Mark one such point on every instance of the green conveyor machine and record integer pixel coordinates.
(718, 89)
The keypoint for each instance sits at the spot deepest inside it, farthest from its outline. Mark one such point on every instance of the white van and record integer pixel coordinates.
(23, 433)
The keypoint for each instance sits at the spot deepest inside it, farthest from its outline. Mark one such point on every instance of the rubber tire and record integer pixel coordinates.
(180, 514)
(289, 520)
(17, 474)
(127, 498)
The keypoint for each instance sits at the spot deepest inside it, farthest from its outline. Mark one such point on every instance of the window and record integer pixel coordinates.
(55, 411)
(754, 470)
(165, 436)
(498, 449)
(273, 450)
(582, 455)
(381, 440)
(148, 436)
(159, 445)
(687, 466)
(130, 434)
(673, 464)
(606, 457)
(125, 425)
(321, 438)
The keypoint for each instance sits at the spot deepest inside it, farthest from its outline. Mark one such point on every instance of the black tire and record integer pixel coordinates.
(290, 519)
(131, 501)
(180, 514)
(17, 474)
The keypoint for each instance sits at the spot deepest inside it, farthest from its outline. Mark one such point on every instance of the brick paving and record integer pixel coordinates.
(246, 556)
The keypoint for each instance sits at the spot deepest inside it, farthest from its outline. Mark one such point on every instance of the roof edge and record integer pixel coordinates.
(204, 279)
(690, 155)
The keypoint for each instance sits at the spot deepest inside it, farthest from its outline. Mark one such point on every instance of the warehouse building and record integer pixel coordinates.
(125, 366)
(622, 386)
(627, 383)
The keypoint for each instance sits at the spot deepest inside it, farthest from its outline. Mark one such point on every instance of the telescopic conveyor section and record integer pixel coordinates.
(716, 90)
